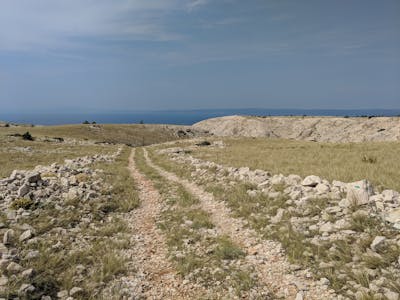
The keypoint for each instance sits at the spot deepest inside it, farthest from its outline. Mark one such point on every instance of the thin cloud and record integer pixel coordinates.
(27, 25)
(223, 22)
(196, 4)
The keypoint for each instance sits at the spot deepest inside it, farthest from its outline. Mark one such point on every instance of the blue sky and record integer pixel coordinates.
(125, 55)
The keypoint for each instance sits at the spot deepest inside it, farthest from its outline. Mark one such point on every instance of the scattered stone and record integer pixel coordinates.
(299, 296)
(26, 235)
(3, 280)
(378, 243)
(75, 291)
(322, 188)
(8, 237)
(390, 295)
(14, 268)
(324, 281)
(390, 195)
(311, 180)
(327, 227)
(62, 294)
(27, 273)
(33, 177)
(26, 289)
(393, 216)
(23, 190)
(252, 193)
(32, 254)
(278, 217)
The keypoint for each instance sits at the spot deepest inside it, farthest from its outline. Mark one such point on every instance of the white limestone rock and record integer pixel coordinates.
(358, 192)
(311, 180)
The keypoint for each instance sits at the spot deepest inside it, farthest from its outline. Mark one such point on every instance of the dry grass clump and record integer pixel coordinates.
(375, 161)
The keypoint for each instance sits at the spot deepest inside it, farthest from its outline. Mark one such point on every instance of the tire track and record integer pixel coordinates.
(155, 276)
(267, 256)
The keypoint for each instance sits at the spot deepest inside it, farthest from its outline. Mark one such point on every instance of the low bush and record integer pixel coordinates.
(27, 136)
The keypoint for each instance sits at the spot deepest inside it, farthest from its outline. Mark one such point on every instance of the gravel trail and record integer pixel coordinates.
(267, 256)
(155, 277)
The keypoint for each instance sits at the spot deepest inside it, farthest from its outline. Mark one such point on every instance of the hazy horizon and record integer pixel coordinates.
(177, 117)
(130, 55)
(72, 111)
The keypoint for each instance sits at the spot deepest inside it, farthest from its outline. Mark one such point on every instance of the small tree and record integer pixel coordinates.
(86, 122)
(27, 136)
(141, 122)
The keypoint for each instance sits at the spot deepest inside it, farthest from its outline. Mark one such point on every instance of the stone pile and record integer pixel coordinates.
(45, 182)
(360, 193)
(22, 195)
(325, 213)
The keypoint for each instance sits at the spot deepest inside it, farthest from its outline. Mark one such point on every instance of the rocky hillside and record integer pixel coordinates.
(325, 129)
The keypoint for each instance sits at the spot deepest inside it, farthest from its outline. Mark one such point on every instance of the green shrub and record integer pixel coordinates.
(27, 136)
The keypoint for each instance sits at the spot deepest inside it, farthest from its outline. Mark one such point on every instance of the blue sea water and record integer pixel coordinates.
(179, 117)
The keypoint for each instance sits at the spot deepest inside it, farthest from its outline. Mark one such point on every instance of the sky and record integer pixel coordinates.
(127, 55)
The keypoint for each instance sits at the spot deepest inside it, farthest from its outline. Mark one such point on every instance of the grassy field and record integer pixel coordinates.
(378, 162)
(24, 155)
(16, 153)
(331, 258)
(134, 134)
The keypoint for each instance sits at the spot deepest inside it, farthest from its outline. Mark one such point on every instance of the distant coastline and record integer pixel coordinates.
(180, 117)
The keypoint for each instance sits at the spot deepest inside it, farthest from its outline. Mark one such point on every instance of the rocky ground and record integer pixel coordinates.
(272, 269)
(346, 234)
(56, 221)
(322, 129)
(172, 226)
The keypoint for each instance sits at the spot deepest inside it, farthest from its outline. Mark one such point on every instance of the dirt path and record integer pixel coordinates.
(267, 256)
(155, 277)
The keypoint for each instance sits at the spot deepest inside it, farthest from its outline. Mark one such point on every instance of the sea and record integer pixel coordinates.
(179, 117)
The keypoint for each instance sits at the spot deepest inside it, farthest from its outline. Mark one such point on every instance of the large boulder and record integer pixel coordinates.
(358, 192)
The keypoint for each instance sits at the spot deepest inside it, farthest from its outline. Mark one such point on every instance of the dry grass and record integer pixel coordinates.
(206, 257)
(96, 248)
(377, 162)
(12, 156)
(123, 193)
(16, 153)
(296, 237)
(134, 134)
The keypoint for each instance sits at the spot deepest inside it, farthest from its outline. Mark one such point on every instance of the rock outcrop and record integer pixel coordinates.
(324, 129)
